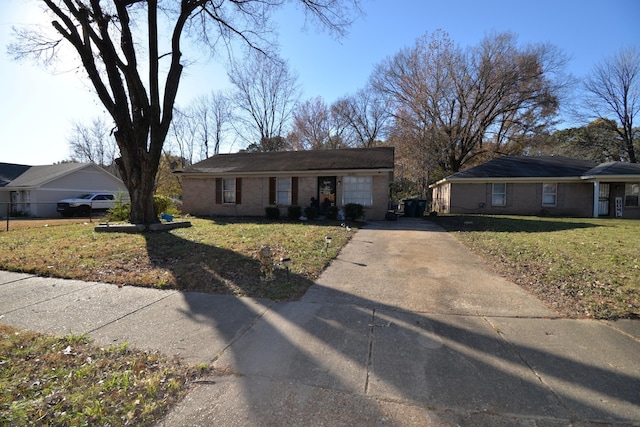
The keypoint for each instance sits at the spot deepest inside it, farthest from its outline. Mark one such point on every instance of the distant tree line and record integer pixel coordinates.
(443, 107)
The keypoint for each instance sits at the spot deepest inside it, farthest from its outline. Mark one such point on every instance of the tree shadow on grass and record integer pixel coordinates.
(509, 224)
(233, 220)
(215, 270)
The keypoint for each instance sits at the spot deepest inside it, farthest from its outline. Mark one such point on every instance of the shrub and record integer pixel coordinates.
(295, 212)
(121, 209)
(165, 204)
(310, 212)
(332, 212)
(272, 212)
(353, 211)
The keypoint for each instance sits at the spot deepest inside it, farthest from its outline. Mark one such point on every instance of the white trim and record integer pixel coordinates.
(596, 199)
(504, 195)
(612, 178)
(555, 195)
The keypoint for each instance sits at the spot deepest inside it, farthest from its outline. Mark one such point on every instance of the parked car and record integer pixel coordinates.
(85, 204)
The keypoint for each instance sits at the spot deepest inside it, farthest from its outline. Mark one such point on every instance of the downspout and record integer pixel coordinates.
(596, 199)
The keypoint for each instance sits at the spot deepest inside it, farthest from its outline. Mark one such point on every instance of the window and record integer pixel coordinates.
(549, 194)
(357, 189)
(229, 190)
(283, 191)
(631, 194)
(499, 194)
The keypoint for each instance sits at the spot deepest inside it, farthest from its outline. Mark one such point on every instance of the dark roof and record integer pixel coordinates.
(528, 167)
(614, 168)
(10, 171)
(299, 161)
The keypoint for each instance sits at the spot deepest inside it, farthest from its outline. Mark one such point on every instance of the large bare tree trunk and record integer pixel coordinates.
(106, 37)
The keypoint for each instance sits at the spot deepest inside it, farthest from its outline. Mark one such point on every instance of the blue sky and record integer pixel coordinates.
(37, 107)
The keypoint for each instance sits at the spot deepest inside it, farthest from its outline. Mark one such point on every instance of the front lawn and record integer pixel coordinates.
(582, 267)
(214, 256)
(68, 381)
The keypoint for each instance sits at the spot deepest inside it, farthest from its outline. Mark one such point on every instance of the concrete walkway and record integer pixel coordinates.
(405, 328)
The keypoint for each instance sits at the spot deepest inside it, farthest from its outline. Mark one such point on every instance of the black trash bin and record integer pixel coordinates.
(421, 206)
(410, 207)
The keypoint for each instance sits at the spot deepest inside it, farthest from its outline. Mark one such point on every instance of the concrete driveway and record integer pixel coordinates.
(406, 327)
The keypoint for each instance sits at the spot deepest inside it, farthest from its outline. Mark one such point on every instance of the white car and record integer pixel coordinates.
(85, 204)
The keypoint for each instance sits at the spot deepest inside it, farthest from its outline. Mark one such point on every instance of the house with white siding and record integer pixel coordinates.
(34, 190)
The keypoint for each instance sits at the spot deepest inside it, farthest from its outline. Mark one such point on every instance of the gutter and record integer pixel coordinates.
(489, 180)
(345, 172)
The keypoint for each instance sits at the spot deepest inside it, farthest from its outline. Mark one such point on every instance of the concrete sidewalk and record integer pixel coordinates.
(406, 327)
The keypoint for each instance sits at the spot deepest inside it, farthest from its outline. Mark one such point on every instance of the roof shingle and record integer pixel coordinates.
(528, 167)
(298, 161)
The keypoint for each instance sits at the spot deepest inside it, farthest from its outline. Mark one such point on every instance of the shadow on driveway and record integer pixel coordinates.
(364, 348)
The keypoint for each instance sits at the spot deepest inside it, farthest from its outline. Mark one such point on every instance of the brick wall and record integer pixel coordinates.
(199, 196)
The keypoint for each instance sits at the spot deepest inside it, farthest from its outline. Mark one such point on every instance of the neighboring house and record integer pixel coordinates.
(548, 185)
(244, 184)
(34, 190)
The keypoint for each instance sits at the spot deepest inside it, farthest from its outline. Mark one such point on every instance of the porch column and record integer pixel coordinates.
(596, 199)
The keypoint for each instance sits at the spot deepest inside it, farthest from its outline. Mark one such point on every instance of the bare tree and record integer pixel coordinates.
(219, 120)
(318, 127)
(266, 93)
(197, 130)
(94, 143)
(136, 69)
(366, 113)
(613, 89)
(183, 136)
(457, 100)
(311, 125)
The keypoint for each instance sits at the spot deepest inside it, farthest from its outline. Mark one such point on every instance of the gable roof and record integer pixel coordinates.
(528, 167)
(10, 171)
(379, 158)
(36, 176)
(613, 169)
(23, 176)
(523, 168)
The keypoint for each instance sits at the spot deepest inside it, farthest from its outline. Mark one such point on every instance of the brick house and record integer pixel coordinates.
(547, 185)
(244, 184)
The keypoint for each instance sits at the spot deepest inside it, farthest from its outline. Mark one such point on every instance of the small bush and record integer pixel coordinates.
(121, 210)
(310, 212)
(295, 212)
(353, 211)
(272, 212)
(332, 212)
(165, 204)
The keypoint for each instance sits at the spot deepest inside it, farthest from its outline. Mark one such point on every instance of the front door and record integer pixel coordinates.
(603, 199)
(326, 192)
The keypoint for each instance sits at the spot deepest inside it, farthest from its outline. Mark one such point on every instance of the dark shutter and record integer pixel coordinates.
(294, 190)
(218, 191)
(272, 191)
(238, 191)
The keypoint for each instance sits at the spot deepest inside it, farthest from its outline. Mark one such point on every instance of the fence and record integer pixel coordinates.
(22, 213)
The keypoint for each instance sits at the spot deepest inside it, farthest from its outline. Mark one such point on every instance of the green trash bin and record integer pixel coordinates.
(421, 206)
(410, 207)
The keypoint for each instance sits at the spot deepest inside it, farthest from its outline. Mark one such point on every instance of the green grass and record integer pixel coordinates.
(212, 256)
(64, 381)
(67, 381)
(581, 267)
